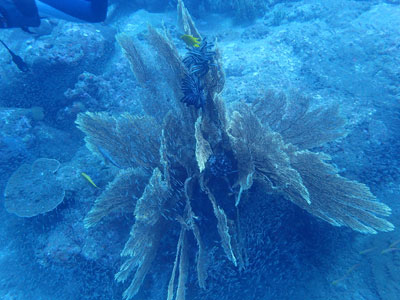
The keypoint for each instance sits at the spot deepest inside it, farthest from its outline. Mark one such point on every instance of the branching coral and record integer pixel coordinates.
(203, 161)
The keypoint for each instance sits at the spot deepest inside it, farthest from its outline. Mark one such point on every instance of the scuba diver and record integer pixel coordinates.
(27, 13)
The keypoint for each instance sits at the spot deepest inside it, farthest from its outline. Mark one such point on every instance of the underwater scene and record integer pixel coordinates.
(199, 150)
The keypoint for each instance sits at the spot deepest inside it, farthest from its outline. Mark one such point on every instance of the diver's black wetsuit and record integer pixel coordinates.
(24, 13)
(19, 13)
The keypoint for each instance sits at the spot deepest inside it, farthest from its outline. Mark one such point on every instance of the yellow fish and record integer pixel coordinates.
(87, 177)
(191, 40)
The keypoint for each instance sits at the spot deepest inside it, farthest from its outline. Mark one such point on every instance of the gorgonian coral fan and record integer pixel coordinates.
(184, 180)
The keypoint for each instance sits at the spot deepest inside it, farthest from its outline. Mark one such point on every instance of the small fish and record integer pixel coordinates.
(389, 250)
(335, 282)
(351, 269)
(18, 61)
(107, 157)
(87, 177)
(367, 250)
(394, 243)
(191, 40)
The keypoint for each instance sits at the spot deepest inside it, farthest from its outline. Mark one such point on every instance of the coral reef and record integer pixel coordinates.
(231, 229)
(61, 56)
(195, 165)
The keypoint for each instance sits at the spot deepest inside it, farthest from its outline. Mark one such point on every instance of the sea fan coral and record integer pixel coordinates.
(182, 201)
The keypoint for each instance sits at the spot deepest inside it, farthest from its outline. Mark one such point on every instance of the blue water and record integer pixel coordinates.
(203, 166)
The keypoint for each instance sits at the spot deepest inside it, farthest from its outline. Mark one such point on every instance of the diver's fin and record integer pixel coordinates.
(4, 44)
(17, 60)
